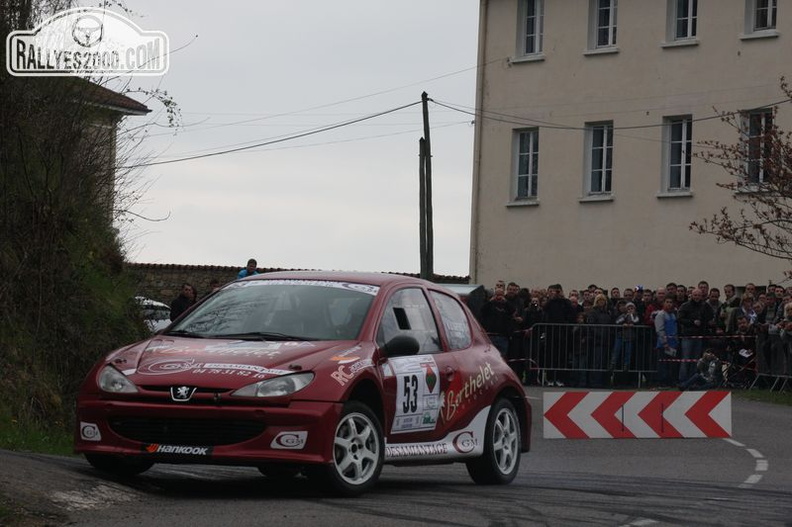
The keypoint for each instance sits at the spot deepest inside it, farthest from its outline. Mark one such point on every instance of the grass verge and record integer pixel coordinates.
(55, 438)
(783, 398)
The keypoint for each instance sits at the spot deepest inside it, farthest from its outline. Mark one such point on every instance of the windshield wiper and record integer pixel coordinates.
(184, 333)
(261, 335)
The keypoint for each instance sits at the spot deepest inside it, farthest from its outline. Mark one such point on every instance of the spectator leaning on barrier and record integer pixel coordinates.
(497, 319)
(598, 340)
(558, 310)
(742, 347)
(785, 331)
(625, 338)
(694, 318)
(713, 300)
(645, 299)
(774, 347)
(615, 296)
(532, 315)
(743, 336)
(665, 324)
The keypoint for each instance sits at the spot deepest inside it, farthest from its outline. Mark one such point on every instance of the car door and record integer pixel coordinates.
(414, 386)
(471, 387)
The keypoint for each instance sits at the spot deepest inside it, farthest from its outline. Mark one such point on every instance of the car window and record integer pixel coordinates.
(409, 313)
(454, 320)
(157, 313)
(321, 310)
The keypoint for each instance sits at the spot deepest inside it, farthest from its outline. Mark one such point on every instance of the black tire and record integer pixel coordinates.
(280, 471)
(120, 466)
(500, 462)
(358, 453)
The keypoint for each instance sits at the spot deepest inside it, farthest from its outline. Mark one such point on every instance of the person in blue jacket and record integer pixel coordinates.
(249, 270)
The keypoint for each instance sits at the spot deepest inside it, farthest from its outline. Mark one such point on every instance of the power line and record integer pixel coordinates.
(514, 119)
(343, 101)
(275, 140)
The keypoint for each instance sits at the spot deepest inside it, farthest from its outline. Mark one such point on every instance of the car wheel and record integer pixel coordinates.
(118, 465)
(358, 452)
(280, 471)
(500, 461)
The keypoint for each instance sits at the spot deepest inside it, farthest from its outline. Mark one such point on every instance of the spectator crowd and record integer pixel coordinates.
(690, 327)
(682, 336)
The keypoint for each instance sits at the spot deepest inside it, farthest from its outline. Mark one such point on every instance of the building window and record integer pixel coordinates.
(527, 176)
(765, 15)
(756, 127)
(679, 146)
(683, 19)
(531, 20)
(599, 138)
(602, 32)
(760, 15)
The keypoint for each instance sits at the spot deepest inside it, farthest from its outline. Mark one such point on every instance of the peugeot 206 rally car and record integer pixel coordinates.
(323, 373)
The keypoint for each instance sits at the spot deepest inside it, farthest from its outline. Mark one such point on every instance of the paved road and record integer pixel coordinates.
(745, 480)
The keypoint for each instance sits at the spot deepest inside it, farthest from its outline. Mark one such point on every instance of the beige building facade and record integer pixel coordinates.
(588, 116)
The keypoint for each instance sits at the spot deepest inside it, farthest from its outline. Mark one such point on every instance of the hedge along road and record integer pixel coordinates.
(744, 480)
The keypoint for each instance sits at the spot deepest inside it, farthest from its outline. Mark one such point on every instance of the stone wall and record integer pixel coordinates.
(163, 282)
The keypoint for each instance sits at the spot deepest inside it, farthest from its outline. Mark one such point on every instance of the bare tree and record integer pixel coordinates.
(760, 166)
(64, 297)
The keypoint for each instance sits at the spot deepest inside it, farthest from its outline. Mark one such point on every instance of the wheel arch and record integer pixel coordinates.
(523, 408)
(366, 392)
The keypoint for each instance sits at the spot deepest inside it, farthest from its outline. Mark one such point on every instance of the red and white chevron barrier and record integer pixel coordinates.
(629, 415)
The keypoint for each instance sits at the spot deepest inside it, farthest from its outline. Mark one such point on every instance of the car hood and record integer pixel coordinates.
(226, 363)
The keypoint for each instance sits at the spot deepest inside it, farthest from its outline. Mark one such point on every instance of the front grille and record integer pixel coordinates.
(186, 431)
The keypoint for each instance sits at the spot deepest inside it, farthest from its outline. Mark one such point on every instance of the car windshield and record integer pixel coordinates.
(281, 310)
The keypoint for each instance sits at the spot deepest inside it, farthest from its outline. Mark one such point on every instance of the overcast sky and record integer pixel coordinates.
(249, 71)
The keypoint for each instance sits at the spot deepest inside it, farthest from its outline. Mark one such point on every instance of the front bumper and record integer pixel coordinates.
(233, 435)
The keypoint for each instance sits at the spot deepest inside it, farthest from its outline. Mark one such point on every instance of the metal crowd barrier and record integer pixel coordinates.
(603, 351)
(589, 348)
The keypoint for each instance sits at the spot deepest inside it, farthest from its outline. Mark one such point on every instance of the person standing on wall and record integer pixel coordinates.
(249, 270)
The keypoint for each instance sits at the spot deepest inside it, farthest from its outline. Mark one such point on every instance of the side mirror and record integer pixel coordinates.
(401, 346)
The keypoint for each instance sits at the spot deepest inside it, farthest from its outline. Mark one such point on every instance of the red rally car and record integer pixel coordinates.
(323, 373)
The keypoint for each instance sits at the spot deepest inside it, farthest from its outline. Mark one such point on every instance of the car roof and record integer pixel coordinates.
(379, 279)
(148, 302)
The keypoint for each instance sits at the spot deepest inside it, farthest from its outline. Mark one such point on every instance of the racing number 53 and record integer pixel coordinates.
(410, 401)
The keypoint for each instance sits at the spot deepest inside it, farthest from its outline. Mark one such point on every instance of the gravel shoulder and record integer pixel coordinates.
(39, 490)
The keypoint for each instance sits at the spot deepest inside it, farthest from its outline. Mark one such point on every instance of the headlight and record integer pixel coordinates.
(277, 386)
(113, 381)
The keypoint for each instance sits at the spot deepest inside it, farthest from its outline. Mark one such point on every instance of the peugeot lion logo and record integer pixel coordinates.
(182, 393)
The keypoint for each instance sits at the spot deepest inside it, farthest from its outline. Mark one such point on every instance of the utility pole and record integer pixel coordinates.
(422, 205)
(425, 196)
